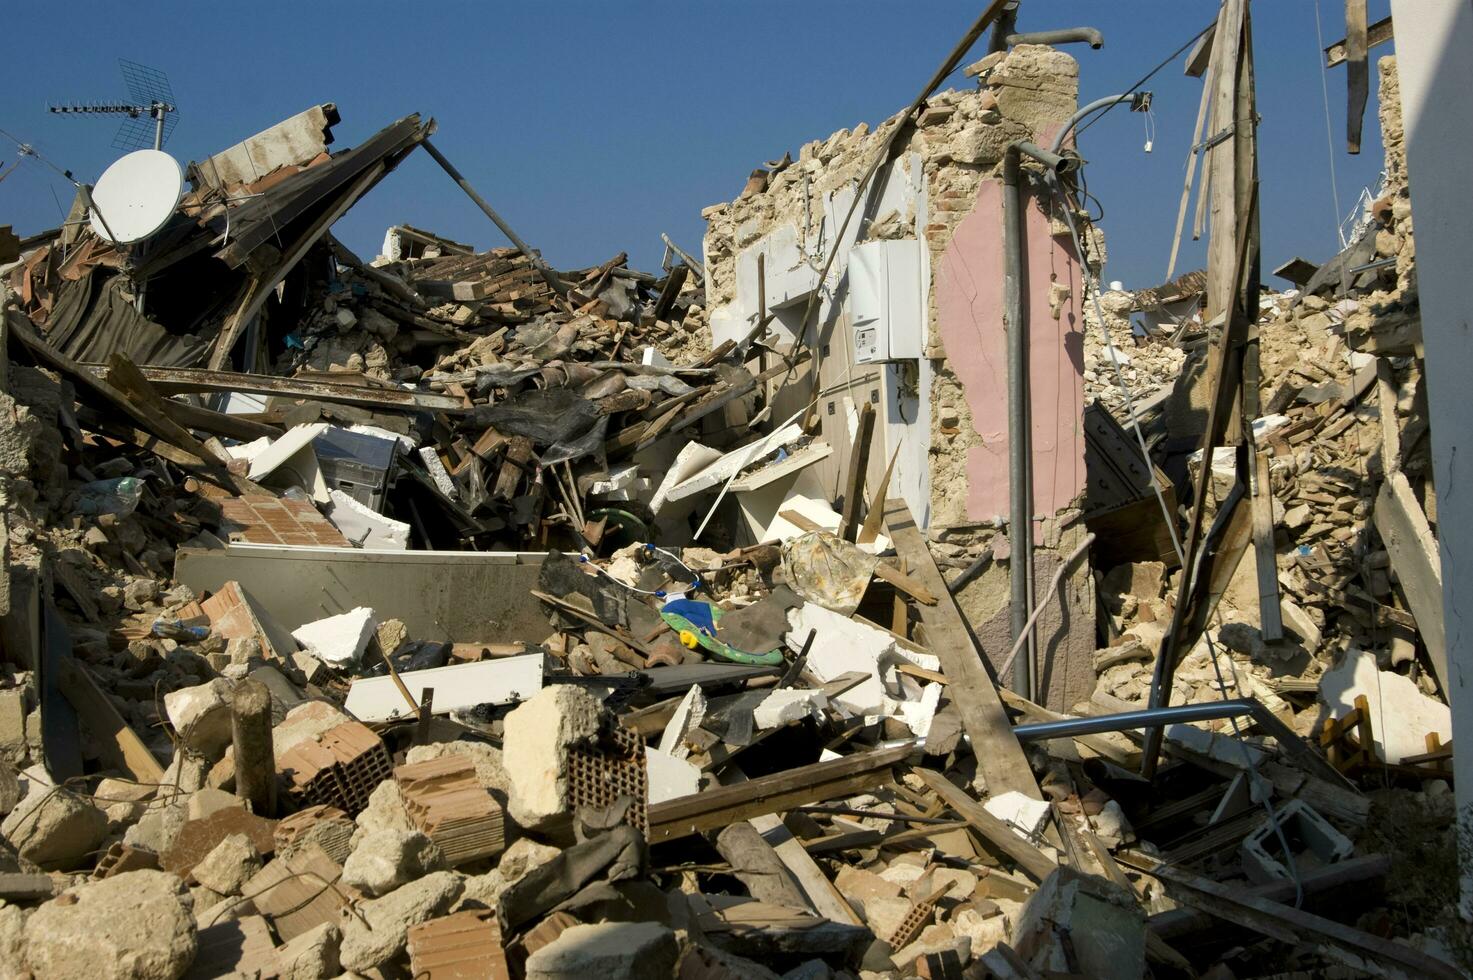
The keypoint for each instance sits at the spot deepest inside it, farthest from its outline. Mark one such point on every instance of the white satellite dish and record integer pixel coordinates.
(136, 195)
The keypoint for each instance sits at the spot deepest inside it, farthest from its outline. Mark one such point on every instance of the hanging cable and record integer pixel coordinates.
(1329, 129)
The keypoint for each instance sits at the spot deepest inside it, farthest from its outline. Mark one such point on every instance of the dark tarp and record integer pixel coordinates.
(92, 319)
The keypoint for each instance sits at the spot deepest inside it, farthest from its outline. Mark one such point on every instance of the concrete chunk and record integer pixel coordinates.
(609, 951)
(201, 715)
(537, 737)
(384, 928)
(136, 925)
(54, 828)
(385, 859)
(338, 640)
(229, 866)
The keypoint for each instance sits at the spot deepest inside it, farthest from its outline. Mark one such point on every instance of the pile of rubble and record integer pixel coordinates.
(482, 627)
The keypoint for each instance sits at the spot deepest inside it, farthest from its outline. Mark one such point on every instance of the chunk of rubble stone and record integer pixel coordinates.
(383, 930)
(12, 936)
(609, 951)
(306, 721)
(522, 856)
(123, 800)
(535, 746)
(9, 787)
(313, 955)
(201, 715)
(229, 866)
(385, 811)
(54, 828)
(136, 925)
(490, 772)
(385, 859)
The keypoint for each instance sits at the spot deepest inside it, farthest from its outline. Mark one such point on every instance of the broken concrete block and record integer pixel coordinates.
(340, 640)
(787, 706)
(1403, 714)
(381, 932)
(9, 787)
(205, 802)
(522, 856)
(133, 925)
(1025, 815)
(13, 724)
(385, 859)
(858, 886)
(313, 955)
(304, 722)
(669, 777)
(232, 863)
(688, 715)
(122, 800)
(984, 931)
(12, 934)
(535, 745)
(1264, 860)
(1105, 925)
(54, 828)
(385, 811)
(883, 915)
(201, 715)
(610, 951)
(490, 772)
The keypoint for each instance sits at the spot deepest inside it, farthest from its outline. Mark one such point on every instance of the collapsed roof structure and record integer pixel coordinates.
(871, 598)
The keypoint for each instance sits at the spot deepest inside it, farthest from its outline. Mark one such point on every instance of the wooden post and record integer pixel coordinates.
(255, 760)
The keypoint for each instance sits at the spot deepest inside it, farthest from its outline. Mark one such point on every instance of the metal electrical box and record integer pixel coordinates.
(886, 307)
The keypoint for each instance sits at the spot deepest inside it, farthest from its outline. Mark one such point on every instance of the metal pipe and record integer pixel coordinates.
(1067, 35)
(1020, 519)
(1055, 164)
(560, 287)
(1149, 717)
(1079, 116)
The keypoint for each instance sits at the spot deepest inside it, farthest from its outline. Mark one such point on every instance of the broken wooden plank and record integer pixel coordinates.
(999, 755)
(779, 792)
(1376, 35)
(1357, 72)
(1263, 551)
(1034, 862)
(1403, 526)
(119, 744)
(858, 467)
(1355, 948)
(174, 381)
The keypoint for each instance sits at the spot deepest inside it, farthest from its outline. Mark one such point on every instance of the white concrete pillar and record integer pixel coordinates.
(1435, 70)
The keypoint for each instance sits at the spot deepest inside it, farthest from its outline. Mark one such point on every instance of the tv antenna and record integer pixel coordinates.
(150, 115)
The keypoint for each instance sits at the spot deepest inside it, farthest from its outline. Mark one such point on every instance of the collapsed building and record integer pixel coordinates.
(879, 596)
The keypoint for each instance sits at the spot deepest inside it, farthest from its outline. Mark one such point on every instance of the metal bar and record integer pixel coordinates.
(1020, 523)
(1093, 107)
(560, 287)
(1067, 35)
(1175, 715)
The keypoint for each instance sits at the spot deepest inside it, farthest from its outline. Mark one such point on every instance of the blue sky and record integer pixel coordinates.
(593, 127)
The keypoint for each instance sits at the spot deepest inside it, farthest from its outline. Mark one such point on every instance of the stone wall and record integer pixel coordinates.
(943, 188)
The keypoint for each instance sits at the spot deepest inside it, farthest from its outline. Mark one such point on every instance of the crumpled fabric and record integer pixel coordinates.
(619, 855)
(824, 568)
(568, 424)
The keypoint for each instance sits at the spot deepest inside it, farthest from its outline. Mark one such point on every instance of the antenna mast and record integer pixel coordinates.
(150, 115)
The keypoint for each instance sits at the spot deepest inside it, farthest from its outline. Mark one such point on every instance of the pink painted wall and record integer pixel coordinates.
(969, 302)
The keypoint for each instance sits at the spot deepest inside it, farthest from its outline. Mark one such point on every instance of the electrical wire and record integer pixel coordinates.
(1329, 127)
(1135, 86)
(657, 593)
